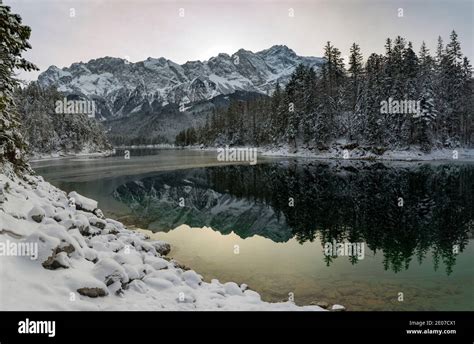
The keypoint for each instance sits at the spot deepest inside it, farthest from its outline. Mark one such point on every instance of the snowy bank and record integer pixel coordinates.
(348, 151)
(79, 260)
(362, 153)
(63, 155)
(151, 146)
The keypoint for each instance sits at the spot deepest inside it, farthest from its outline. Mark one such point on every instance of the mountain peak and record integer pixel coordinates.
(160, 60)
(277, 49)
(244, 51)
(223, 55)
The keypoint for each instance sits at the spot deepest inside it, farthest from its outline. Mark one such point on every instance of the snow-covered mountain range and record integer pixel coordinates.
(121, 88)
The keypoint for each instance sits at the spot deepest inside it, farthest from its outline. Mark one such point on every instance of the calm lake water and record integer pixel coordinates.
(266, 225)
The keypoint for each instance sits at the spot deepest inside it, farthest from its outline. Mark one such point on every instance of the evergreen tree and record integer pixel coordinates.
(292, 112)
(439, 50)
(355, 85)
(426, 96)
(450, 88)
(13, 42)
(309, 98)
(466, 128)
(373, 95)
(277, 115)
(410, 74)
(332, 79)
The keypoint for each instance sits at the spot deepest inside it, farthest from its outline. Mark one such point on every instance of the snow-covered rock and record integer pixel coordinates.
(108, 271)
(96, 222)
(37, 214)
(83, 203)
(338, 308)
(232, 288)
(192, 278)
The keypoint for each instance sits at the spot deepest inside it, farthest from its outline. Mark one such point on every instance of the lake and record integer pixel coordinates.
(270, 225)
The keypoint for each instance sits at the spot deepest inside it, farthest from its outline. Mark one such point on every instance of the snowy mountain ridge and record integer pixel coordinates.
(121, 88)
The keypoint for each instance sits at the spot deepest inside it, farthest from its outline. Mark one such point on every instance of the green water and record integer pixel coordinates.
(266, 225)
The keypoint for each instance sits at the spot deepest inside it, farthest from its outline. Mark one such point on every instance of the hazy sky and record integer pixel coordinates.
(141, 28)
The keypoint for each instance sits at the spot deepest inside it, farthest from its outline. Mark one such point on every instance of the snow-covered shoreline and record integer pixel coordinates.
(460, 154)
(339, 153)
(85, 261)
(65, 155)
(151, 146)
